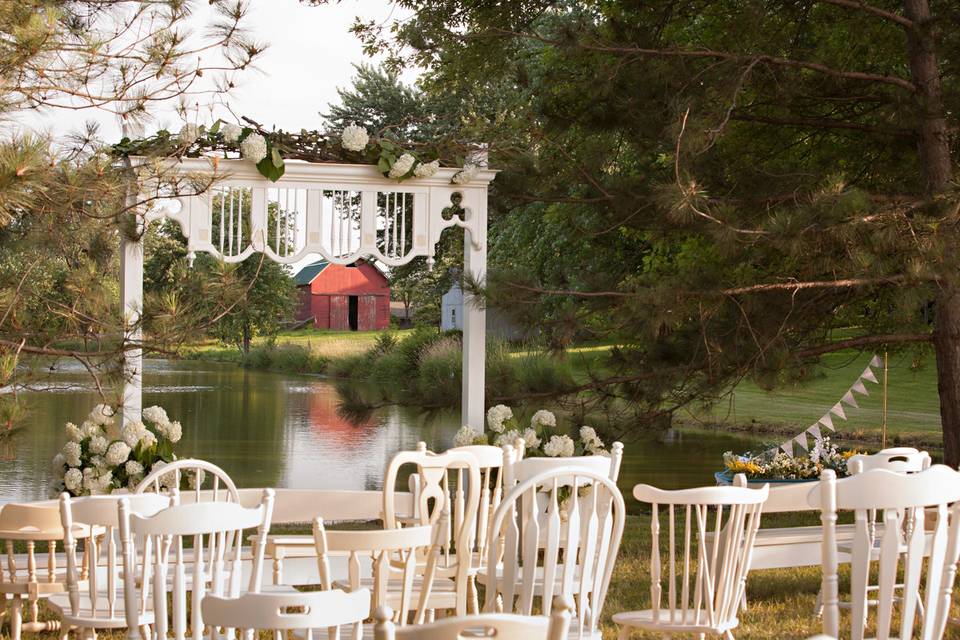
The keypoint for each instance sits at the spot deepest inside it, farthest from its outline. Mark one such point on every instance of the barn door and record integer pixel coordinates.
(368, 313)
(340, 313)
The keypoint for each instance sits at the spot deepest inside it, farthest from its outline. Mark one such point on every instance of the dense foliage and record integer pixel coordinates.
(727, 189)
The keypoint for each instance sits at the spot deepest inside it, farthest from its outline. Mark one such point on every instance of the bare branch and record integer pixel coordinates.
(877, 11)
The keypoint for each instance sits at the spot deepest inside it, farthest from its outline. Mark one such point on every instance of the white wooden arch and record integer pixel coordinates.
(341, 212)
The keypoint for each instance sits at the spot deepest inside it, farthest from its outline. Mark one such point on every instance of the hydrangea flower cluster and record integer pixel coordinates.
(254, 148)
(354, 138)
(541, 438)
(99, 457)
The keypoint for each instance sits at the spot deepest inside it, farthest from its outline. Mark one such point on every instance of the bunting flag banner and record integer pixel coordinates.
(827, 420)
(850, 400)
(802, 441)
(837, 410)
(788, 447)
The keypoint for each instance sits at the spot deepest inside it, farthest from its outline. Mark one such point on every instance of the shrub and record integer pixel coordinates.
(439, 379)
(289, 358)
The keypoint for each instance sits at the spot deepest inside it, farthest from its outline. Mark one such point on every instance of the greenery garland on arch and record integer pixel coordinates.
(268, 150)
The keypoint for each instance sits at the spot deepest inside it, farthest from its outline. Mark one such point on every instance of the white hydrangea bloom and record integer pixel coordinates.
(543, 418)
(531, 438)
(74, 433)
(426, 170)
(173, 431)
(73, 480)
(156, 415)
(402, 166)
(168, 480)
(133, 468)
(98, 484)
(354, 138)
(102, 414)
(89, 428)
(118, 453)
(254, 148)
(465, 175)
(467, 435)
(559, 447)
(231, 132)
(71, 453)
(98, 445)
(148, 439)
(196, 478)
(189, 134)
(132, 433)
(497, 415)
(507, 438)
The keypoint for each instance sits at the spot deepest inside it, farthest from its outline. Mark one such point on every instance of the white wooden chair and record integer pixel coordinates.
(30, 582)
(925, 504)
(451, 507)
(705, 581)
(490, 461)
(191, 476)
(284, 612)
(609, 465)
(386, 562)
(488, 625)
(166, 568)
(570, 555)
(94, 597)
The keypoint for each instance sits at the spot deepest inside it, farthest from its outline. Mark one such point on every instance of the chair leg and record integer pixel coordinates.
(64, 631)
(473, 596)
(728, 635)
(16, 617)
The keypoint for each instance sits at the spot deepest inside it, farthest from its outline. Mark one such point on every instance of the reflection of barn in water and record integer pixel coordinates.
(326, 417)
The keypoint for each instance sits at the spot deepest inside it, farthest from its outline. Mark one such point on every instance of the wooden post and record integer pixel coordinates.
(474, 313)
(131, 298)
(883, 425)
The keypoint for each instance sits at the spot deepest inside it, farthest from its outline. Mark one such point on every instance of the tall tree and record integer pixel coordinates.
(728, 188)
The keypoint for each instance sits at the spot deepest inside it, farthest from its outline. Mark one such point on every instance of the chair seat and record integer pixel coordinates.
(483, 578)
(660, 621)
(87, 618)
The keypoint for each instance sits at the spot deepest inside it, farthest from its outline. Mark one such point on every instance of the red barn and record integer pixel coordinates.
(354, 297)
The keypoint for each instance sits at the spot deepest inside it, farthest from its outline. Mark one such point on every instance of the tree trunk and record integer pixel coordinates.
(247, 337)
(937, 169)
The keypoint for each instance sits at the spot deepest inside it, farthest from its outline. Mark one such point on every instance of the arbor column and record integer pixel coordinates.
(474, 313)
(131, 296)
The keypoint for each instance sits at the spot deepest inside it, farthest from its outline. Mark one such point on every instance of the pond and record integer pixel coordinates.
(271, 429)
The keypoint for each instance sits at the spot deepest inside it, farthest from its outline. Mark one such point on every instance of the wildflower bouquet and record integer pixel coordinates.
(777, 465)
(543, 438)
(99, 457)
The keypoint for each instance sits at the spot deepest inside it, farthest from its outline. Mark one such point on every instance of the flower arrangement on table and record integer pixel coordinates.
(99, 457)
(777, 465)
(267, 149)
(543, 438)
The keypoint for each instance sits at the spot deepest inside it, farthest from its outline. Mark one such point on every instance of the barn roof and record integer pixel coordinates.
(309, 272)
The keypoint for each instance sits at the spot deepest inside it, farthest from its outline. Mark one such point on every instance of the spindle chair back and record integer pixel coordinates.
(284, 612)
(395, 576)
(94, 596)
(192, 548)
(205, 480)
(570, 552)
(706, 549)
(920, 513)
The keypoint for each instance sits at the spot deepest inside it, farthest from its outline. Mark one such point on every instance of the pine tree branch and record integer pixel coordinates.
(860, 76)
(877, 11)
(866, 341)
(844, 283)
(823, 123)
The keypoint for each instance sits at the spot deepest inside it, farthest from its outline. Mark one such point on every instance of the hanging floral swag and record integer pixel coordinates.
(777, 465)
(268, 149)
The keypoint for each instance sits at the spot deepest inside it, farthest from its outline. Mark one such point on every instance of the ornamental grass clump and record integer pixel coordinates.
(100, 457)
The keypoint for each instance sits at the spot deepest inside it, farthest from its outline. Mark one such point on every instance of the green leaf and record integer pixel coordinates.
(269, 170)
(277, 158)
(216, 127)
(383, 165)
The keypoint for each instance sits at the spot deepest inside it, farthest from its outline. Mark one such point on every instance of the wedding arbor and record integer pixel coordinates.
(342, 212)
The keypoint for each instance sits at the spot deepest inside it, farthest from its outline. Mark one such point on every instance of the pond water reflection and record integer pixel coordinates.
(269, 429)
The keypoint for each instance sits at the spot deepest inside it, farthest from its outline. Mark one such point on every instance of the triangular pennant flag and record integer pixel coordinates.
(860, 388)
(814, 430)
(876, 362)
(827, 421)
(869, 376)
(788, 447)
(802, 440)
(837, 410)
(849, 399)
